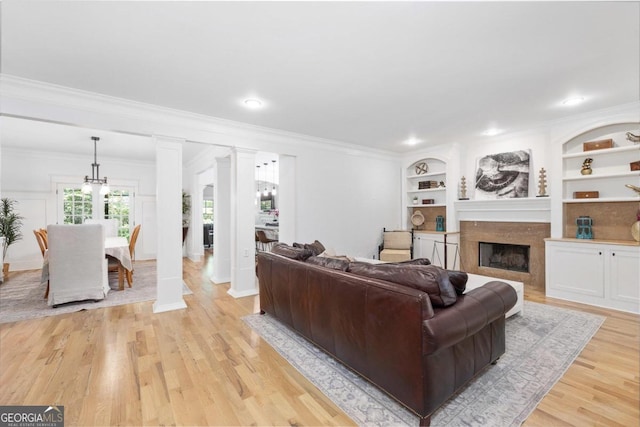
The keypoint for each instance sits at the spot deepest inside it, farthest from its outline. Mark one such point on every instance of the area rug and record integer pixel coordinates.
(542, 342)
(22, 296)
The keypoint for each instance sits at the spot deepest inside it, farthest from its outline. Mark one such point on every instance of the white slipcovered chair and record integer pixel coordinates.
(110, 226)
(77, 263)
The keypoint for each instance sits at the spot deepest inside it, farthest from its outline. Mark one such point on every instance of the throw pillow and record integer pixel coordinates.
(285, 250)
(459, 280)
(316, 247)
(333, 263)
(427, 278)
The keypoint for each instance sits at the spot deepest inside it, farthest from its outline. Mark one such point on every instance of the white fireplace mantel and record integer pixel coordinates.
(532, 209)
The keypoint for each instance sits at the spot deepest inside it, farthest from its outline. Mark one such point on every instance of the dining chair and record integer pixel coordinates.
(45, 236)
(132, 251)
(42, 242)
(266, 242)
(77, 263)
(110, 225)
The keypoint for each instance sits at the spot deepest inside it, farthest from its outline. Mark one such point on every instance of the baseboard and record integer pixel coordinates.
(217, 280)
(161, 308)
(247, 293)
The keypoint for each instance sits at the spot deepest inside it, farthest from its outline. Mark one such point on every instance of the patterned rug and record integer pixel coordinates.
(22, 296)
(542, 342)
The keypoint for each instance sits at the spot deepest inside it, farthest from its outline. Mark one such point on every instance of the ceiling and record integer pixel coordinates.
(367, 73)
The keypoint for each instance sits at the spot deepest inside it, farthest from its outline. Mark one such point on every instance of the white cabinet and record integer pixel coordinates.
(441, 248)
(596, 273)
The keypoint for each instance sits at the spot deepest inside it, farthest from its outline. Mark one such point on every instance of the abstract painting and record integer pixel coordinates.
(503, 175)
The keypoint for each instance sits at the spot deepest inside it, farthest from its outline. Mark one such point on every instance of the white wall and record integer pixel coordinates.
(345, 200)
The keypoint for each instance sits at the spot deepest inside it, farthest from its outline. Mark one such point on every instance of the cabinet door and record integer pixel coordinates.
(575, 270)
(425, 248)
(624, 274)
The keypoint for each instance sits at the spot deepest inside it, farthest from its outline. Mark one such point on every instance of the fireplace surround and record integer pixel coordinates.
(526, 234)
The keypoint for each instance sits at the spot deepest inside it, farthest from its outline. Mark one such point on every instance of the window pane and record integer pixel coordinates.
(76, 206)
(116, 205)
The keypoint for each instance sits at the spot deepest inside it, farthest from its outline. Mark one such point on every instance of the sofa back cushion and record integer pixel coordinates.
(285, 250)
(427, 278)
(333, 263)
(415, 261)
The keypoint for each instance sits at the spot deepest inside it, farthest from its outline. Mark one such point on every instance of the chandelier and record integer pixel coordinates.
(87, 186)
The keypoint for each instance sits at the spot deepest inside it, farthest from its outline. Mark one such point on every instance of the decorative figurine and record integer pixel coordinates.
(633, 138)
(441, 184)
(586, 166)
(542, 183)
(439, 223)
(463, 189)
(585, 227)
(634, 188)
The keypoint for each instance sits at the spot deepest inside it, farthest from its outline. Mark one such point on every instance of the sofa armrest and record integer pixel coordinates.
(471, 312)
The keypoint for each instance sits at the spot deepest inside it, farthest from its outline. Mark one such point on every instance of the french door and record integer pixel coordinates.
(74, 206)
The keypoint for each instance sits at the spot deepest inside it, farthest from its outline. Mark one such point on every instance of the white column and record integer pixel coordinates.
(243, 273)
(169, 220)
(287, 199)
(222, 222)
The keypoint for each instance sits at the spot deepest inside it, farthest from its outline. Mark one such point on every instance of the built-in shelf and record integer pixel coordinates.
(603, 200)
(605, 151)
(427, 190)
(601, 176)
(427, 206)
(426, 175)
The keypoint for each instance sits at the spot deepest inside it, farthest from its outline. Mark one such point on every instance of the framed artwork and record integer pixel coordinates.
(503, 175)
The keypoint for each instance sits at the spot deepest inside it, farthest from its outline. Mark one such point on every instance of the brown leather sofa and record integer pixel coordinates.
(391, 334)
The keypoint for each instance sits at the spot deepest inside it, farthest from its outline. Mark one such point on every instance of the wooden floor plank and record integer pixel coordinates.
(127, 366)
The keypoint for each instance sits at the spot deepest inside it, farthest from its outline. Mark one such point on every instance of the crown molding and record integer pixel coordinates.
(221, 131)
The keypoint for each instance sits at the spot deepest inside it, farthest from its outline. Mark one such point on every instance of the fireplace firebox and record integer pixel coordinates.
(504, 256)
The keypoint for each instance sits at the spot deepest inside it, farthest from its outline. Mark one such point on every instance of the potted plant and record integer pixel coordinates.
(10, 228)
(186, 210)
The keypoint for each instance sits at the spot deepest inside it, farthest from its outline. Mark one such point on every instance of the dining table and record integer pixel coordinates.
(115, 248)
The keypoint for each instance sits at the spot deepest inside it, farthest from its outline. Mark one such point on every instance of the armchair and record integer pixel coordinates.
(397, 245)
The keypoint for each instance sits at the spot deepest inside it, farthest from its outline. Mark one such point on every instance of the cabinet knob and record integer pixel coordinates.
(613, 254)
(599, 253)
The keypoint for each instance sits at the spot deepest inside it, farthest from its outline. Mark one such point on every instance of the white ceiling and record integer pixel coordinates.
(369, 73)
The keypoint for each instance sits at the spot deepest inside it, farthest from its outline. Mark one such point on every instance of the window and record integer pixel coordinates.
(116, 205)
(207, 211)
(267, 203)
(75, 206)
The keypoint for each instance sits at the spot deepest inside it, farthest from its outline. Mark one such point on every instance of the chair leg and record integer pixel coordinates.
(129, 275)
(46, 293)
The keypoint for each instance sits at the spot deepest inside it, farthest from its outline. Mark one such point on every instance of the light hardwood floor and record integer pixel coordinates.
(202, 366)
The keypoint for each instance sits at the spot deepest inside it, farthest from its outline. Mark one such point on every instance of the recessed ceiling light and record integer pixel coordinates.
(575, 100)
(412, 141)
(492, 132)
(252, 103)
